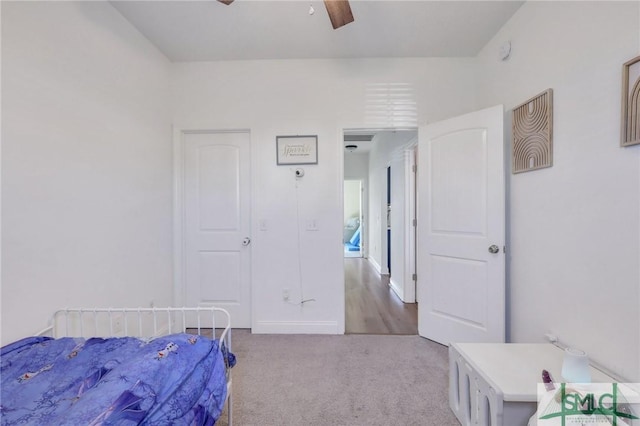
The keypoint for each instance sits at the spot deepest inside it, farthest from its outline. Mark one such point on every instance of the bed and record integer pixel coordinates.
(121, 366)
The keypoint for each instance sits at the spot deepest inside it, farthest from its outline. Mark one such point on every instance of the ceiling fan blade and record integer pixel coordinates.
(339, 12)
(227, 2)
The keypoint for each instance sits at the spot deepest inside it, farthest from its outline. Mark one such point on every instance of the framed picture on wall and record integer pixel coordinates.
(297, 149)
(630, 126)
(532, 133)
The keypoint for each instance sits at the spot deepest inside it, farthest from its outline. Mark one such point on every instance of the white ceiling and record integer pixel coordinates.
(207, 30)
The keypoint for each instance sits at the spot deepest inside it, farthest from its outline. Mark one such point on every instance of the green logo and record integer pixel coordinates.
(601, 402)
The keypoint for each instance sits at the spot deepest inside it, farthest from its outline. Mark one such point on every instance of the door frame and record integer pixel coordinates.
(386, 230)
(341, 131)
(179, 271)
(411, 219)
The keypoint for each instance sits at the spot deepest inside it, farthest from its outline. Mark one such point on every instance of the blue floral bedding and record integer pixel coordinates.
(175, 379)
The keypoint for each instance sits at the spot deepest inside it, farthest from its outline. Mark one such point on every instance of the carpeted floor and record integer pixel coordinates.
(339, 380)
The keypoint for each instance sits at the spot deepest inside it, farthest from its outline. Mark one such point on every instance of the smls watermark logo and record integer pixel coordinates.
(588, 404)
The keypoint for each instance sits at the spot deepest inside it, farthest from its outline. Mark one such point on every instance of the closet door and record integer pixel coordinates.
(217, 244)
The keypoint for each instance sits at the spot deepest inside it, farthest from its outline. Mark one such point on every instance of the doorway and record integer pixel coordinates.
(374, 297)
(212, 245)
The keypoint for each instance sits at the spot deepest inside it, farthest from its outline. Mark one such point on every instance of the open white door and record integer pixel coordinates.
(461, 229)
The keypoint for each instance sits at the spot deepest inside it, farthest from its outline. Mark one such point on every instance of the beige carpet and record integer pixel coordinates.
(339, 380)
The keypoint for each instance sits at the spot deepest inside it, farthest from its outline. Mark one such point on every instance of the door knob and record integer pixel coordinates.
(493, 249)
(246, 241)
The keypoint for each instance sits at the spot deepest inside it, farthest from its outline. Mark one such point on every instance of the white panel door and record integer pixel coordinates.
(461, 229)
(217, 250)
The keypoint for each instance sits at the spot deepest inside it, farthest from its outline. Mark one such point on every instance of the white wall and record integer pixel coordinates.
(351, 199)
(86, 164)
(86, 167)
(401, 280)
(385, 144)
(378, 162)
(356, 166)
(397, 273)
(305, 97)
(574, 228)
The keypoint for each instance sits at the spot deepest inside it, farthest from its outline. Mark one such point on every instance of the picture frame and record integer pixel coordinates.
(630, 117)
(532, 134)
(292, 150)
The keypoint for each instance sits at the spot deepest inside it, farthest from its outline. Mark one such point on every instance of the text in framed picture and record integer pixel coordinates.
(297, 149)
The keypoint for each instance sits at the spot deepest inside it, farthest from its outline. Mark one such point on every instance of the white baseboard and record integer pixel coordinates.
(296, 327)
(396, 289)
(375, 264)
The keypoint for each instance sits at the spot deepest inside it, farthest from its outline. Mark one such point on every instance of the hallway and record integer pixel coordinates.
(371, 306)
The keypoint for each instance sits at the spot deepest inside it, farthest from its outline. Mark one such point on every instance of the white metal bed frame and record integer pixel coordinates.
(144, 322)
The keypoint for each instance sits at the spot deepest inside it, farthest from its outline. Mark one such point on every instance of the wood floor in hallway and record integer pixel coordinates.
(371, 306)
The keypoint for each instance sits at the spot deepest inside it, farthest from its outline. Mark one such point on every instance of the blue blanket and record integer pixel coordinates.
(176, 379)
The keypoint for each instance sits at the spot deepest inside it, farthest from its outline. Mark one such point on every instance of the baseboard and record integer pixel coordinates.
(396, 289)
(296, 327)
(375, 264)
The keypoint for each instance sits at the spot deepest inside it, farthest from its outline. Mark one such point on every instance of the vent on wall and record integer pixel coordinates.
(390, 105)
(358, 138)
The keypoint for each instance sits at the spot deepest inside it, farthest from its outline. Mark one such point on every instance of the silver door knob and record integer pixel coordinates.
(493, 249)
(246, 241)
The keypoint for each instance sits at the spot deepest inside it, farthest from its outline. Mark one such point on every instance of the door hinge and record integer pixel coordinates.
(413, 168)
(415, 222)
(414, 277)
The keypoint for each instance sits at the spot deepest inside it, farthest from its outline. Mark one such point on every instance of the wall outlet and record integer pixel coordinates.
(285, 294)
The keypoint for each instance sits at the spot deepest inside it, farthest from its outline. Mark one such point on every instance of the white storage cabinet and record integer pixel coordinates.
(496, 384)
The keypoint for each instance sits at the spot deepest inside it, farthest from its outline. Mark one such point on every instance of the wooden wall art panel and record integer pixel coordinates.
(533, 133)
(630, 129)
